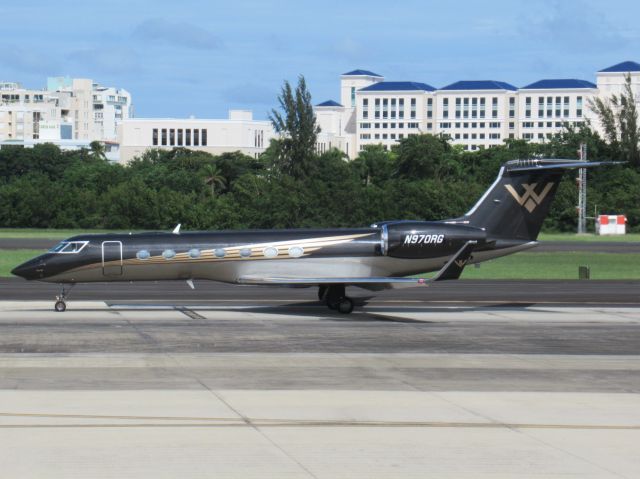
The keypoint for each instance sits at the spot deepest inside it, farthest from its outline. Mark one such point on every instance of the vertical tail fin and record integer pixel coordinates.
(517, 203)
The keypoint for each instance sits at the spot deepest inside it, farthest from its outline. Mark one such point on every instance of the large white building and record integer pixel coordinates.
(238, 133)
(474, 113)
(69, 112)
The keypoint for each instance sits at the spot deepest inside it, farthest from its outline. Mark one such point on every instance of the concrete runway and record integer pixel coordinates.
(499, 292)
(527, 379)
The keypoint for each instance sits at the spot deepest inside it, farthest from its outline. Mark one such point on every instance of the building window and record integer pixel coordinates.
(353, 96)
(377, 112)
(494, 107)
(365, 125)
(579, 106)
(154, 140)
(401, 108)
(385, 108)
(196, 137)
(540, 107)
(429, 107)
(172, 137)
(445, 108)
(527, 112)
(164, 137)
(413, 108)
(512, 107)
(458, 108)
(549, 107)
(180, 143)
(187, 137)
(365, 108)
(203, 137)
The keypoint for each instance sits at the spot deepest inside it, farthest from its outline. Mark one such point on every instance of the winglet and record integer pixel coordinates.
(176, 230)
(454, 267)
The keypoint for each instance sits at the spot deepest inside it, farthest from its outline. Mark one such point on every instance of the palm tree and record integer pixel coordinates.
(97, 150)
(214, 177)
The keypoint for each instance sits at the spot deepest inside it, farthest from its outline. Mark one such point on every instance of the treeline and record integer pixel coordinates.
(424, 177)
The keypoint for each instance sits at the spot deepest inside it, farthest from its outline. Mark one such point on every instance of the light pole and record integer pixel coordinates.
(582, 191)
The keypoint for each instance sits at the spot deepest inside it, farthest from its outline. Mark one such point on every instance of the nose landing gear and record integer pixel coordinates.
(61, 305)
(335, 298)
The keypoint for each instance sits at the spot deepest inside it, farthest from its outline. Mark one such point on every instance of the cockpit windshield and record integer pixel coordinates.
(68, 247)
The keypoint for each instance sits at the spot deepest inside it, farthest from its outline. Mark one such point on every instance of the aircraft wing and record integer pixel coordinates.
(451, 270)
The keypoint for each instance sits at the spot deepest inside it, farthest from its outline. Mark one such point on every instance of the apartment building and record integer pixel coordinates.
(69, 110)
(472, 113)
(240, 132)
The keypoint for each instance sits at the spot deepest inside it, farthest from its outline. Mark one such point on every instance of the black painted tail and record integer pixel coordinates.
(519, 200)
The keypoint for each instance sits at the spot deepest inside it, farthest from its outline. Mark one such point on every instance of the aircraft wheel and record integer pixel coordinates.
(332, 305)
(345, 306)
(60, 306)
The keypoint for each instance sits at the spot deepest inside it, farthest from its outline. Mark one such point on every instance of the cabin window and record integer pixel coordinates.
(143, 254)
(194, 253)
(245, 252)
(69, 247)
(168, 254)
(270, 252)
(296, 251)
(220, 252)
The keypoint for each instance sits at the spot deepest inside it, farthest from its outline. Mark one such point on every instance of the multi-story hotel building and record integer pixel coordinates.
(69, 112)
(475, 113)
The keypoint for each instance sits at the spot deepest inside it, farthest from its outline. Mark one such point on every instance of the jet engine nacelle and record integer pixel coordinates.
(421, 239)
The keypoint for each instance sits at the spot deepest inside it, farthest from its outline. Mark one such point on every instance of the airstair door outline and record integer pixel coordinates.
(112, 258)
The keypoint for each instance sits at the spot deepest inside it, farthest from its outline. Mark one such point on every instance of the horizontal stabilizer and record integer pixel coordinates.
(554, 164)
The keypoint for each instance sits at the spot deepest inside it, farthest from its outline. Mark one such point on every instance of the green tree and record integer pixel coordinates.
(374, 165)
(97, 150)
(294, 152)
(619, 118)
(419, 156)
(213, 177)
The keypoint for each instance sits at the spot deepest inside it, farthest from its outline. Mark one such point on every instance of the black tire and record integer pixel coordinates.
(345, 306)
(60, 306)
(332, 305)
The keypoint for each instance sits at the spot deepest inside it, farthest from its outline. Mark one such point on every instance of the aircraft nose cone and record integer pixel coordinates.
(32, 269)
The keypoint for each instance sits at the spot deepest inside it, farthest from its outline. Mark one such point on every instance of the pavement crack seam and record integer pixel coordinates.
(245, 420)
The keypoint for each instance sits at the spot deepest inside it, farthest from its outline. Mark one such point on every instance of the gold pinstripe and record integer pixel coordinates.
(232, 253)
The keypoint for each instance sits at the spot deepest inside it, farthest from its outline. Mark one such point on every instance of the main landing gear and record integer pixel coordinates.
(335, 298)
(61, 305)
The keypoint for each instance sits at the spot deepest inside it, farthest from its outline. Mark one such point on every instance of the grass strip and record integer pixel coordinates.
(557, 265)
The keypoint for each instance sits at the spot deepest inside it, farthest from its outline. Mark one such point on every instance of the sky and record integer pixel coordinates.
(202, 58)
